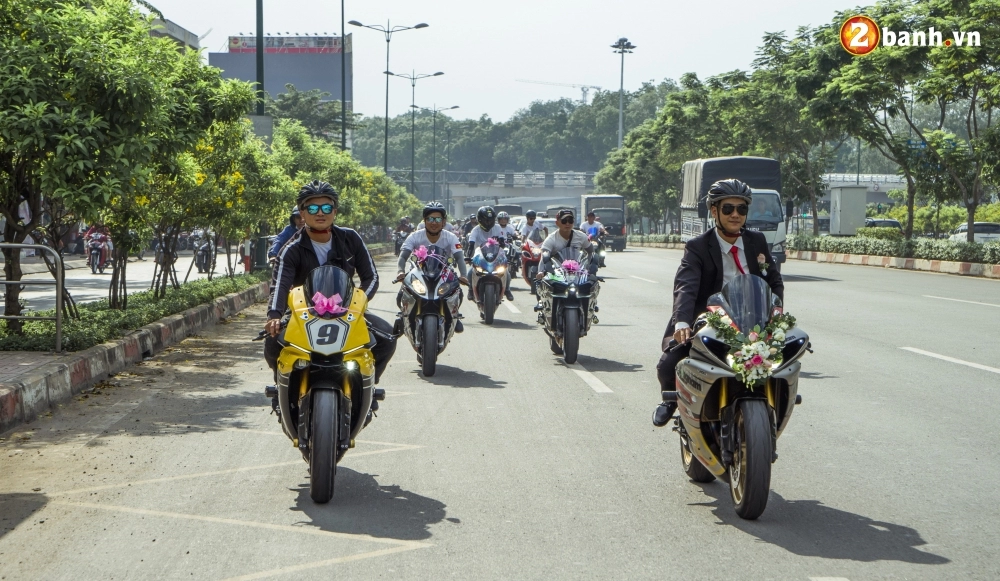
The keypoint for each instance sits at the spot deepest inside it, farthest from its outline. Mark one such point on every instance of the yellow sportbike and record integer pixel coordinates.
(326, 373)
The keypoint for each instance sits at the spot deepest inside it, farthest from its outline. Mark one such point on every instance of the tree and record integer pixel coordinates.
(319, 115)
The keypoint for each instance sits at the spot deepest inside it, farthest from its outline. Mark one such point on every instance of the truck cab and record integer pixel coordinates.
(766, 216)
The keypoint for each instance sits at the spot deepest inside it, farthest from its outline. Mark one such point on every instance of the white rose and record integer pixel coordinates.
(779, 335)
(783, 326)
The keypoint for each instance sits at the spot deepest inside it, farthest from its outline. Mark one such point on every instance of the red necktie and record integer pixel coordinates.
(736, 258)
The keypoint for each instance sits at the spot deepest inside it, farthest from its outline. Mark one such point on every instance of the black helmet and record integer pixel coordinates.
(731, 188)
(295, 214)
(433, 207)
(316, 189)
(502, 216)
(486, 217)
(530, 214)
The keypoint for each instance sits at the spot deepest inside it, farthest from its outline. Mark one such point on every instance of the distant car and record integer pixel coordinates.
(984, 232)
(883, 223)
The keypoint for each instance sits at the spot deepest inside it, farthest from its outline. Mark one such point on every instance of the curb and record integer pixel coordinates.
(669, 245)
(919, 264)
(45, 387)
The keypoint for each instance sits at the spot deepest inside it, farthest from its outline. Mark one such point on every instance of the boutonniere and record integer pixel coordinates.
(762, 263)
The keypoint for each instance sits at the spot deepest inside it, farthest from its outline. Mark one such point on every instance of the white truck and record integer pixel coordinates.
(762, 174)
(611, 210)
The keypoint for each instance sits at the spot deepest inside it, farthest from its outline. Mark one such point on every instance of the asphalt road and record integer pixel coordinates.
(509, 465)
(85, 286)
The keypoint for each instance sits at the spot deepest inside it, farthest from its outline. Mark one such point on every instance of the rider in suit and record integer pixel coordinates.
(710, 261)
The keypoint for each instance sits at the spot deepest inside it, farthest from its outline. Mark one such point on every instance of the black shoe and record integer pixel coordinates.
(508, 295)
(397, 327)
(459, 327)
(663, 413)
(471, 298)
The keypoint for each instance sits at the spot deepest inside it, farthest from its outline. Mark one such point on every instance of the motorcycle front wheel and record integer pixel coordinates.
(750, 474)
(93, 266)
(323, 445)
(429, 348)
(571, 335)
(489, 303)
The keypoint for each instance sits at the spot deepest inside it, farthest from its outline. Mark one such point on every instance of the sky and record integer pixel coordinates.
(485, 47)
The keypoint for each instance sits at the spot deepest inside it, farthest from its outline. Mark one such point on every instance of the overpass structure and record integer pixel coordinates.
(463, 192)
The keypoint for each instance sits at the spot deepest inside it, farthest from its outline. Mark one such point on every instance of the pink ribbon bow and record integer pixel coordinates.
(490, 242)
(571, 266)
(330, 305)
(420, 254)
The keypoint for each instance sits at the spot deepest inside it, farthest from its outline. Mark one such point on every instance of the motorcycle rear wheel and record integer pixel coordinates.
(93, 267)
(429, 347)
(323, 445)
(750, 474)
(571, 335)
(694, 469)
(489, 304)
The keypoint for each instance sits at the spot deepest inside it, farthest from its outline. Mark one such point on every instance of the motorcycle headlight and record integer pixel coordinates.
(602, 253)
(480, 270)
(301, 363)
(501, 269)
(418, 285)
(536, 251)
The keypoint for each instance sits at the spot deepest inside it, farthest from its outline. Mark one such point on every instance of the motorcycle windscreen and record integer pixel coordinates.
(580, 257)
(749, 300)
(329, 289)
(435, 263)
(491, 251)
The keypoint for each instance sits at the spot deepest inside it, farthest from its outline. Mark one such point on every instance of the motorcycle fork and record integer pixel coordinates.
(305, 410)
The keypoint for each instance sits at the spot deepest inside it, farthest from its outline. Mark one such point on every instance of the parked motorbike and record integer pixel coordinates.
(729, 429)
(490, 266)
(398, 238)
(98, 256)
(326, 373)
(567, 301)
(531, 255)
(203, 259)
(429, 305)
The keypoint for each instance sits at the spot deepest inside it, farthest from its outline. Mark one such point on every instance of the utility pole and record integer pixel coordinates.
(623, 47)
(260, 57)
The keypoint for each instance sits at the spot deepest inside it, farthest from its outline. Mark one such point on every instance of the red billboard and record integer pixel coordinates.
(289, 44)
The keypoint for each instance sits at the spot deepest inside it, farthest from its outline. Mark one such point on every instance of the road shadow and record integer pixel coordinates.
(607, 365)
(804, 278)
(454, 377)
(18, 507)
(810, 529)
(361, 506)
(513, 325)
(816, 375)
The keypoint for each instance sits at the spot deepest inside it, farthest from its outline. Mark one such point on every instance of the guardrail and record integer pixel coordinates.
(59, 283)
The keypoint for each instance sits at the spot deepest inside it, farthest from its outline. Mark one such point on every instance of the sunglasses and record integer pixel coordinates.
(314, 209)
(727, 209)
(566, 220)
(434, 219)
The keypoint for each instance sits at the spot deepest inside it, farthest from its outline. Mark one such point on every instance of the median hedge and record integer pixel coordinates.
(925, 248)
(654, 239)
(99, 323)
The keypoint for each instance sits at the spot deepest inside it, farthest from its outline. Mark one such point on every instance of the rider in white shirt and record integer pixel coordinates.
(591, 227)
(506, 230)
(531, 226)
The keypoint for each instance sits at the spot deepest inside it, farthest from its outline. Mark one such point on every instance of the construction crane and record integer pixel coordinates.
(584, 89)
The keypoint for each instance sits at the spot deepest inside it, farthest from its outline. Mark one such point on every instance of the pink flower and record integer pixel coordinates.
(420, 253)
(753, 336)
(490, 242)
(757, 360)
(571, 266)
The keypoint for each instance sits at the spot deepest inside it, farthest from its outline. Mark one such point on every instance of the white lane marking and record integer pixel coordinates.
(512, 308)
(317, 564)
(829, 579)
(961, 301)
(644, 279)
(172, 478)
(951, 359)
(591, 379)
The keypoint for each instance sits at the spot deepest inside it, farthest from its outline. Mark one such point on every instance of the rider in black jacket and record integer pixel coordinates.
(316, 244)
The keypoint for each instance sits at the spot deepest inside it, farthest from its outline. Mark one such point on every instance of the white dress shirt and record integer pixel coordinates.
(729, 270)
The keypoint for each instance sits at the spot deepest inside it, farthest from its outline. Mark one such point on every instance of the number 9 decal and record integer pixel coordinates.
(326, 336)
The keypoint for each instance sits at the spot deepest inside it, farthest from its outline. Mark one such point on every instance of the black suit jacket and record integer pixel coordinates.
(700, 274)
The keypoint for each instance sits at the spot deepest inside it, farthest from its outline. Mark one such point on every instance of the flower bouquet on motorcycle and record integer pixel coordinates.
(737, 389)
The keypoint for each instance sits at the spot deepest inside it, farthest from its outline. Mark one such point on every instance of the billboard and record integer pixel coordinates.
(289, 44)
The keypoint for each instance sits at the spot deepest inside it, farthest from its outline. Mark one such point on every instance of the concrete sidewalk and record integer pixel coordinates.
(35, 265)
(33, 382)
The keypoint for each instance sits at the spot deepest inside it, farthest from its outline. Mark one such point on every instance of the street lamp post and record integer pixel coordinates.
(388, 31)
(622, 47)
(434, 110)
(343, 80)
(413, 78)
